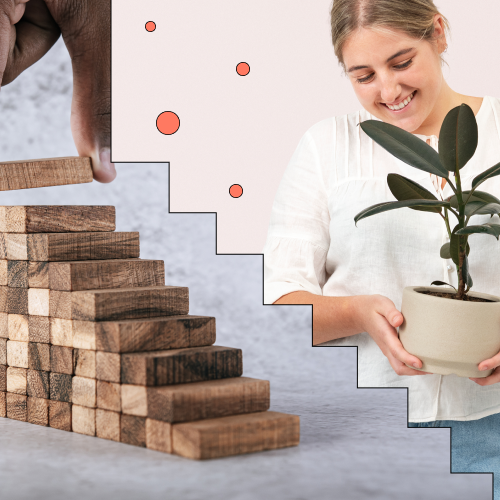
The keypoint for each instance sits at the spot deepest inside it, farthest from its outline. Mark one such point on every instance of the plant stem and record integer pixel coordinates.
(463, 244)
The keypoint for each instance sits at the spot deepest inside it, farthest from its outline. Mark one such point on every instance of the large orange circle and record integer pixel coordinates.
(168, 123)
(235, 190)
(243, 69)
(150, 26)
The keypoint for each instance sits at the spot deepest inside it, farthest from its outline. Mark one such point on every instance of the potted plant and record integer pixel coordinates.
(451, 330)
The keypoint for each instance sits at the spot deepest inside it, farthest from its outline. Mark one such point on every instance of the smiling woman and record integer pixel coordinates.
(391, 51)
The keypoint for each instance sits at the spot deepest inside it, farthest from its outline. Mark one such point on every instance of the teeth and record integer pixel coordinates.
(402, 104)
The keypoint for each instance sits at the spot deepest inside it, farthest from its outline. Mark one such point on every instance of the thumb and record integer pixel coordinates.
(391, 314)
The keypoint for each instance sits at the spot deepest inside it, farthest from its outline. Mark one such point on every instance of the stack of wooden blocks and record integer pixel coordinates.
(92, 341)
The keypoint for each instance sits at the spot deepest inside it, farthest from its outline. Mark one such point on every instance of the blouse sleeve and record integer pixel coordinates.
(298, 237)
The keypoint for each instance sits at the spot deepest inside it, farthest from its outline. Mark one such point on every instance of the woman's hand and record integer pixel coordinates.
(377, 315)
(488, 364)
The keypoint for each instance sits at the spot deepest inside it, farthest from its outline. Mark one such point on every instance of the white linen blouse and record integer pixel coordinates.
(313, 245)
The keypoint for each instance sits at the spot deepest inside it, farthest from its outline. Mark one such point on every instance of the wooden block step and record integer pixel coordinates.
(139, 335)
(129, 303)
(26, 174)
(196, 401)
(235, 435)
(38, 274)
(4, 272)
(56, 219)
(50, 247)
(17, 273)
(181, 366)
(105, 274)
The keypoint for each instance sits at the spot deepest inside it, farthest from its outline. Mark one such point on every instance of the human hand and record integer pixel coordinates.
(29, 28)
(377, 315)
(489, 364)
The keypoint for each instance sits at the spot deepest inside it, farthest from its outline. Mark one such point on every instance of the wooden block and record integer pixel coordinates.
(107, 366)
(38, 274)
(84, 334)
(4, 325)
(105, 274)
(17, 273)
(38, 302)
(61, 359)
(38, 356)
(38, 411)
(39, 329)
(57, 219)
(17, 407)
(17, 354)
(158, 435)
(235, 435)
(3, 272)
(60, 415)
(108, 396)
(45, 172)
(51, 247)
(133, 430)
(198, 400)
(84, 392)
(129, 303)
(17, 300)
(3, 405)
(60, 387)
(37, 384)
(83, 421)
(4, 299)
(181, 366)
(151, 334)
(3, 378)
(84, 363)
(61, 332)
(3, 244)
(16, 246)
(18, 327)
(17, 380)
(107, 424)
(60, 304)
(3, 351)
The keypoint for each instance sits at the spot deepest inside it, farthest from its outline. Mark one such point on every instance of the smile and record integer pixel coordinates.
(402, 104)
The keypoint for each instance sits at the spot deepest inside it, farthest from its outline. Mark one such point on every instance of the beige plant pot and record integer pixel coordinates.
(450, 336)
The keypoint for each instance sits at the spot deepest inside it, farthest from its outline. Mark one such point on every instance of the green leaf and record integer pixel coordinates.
(405, 189)
(458, 138)
(488, 228)
(405, 146)
(476, 196)
(393, 205)
(445, 251)
(439, 283)
(481, 208)
(487, 174)
(454, 248)
(465, 272)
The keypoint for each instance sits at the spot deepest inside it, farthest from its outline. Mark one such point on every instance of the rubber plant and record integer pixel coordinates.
(458, 140)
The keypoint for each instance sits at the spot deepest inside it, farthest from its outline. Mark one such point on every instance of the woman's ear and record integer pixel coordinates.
(440, 33)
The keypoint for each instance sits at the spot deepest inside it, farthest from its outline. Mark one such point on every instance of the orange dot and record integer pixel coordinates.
(168, 123)
(150, 26)
(235, 190)
(243, 69)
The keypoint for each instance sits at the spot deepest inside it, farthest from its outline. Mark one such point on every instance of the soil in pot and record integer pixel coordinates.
(454, 296)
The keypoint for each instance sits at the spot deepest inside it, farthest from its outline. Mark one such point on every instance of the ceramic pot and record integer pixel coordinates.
(450, 336)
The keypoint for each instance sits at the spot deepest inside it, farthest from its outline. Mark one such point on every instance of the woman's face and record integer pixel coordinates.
(396, 78)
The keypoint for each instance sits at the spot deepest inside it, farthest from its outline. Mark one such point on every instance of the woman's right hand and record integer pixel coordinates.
(377, 315)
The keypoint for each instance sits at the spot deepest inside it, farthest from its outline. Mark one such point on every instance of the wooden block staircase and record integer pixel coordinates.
(93, 341)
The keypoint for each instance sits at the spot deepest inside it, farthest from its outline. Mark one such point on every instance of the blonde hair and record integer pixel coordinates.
(413, 17)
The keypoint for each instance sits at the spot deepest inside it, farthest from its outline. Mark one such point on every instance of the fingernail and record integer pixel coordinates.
(416, 365)
(485, 367)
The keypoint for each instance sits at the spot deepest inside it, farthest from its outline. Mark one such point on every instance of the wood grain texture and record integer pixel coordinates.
(3, 405)
(38, 411)
(38, 356)
(198, 400)
(235, 435)
(4, 325)
(105, 274)
(37, 384)
(84, 334)
(3, 244)
(4, 299)
(181, 366)
(60, 415)
(38, 274)
(17, 407)
(17, 380)
(60, 304)
(61, 359)
(158, 435)
(83, 421)
(84, 363)
(4, 272)
(17, 300)
(108, 366)
(57, 219)
(133, 430)
(18, 327)
(16, 246)
(60, 387)
(150, 334)
(27, 174)
(84, 392)
(61, 332)
(3, 378)
(107, 424)
(51, 247)
(3, 351)
(38, 302)
(108, 396)
(17, 273)
(17, 354)
(129, 303)
(39, 329)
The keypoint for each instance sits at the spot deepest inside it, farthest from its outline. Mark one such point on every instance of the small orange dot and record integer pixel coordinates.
(243, 69)
(235, 190)
(150, 26)
(168, 123)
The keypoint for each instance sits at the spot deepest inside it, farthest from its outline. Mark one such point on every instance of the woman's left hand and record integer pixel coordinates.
(488, 364)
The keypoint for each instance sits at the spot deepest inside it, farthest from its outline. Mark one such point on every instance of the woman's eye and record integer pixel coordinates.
(404, 65)
(364, 80)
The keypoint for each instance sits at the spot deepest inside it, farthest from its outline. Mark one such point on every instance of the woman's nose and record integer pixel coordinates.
(390, 90)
